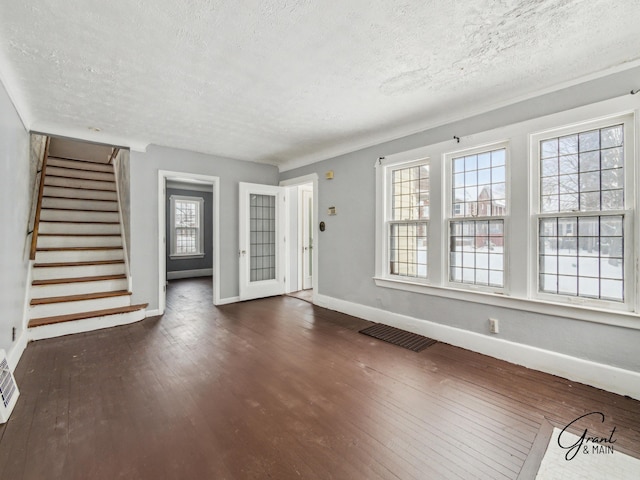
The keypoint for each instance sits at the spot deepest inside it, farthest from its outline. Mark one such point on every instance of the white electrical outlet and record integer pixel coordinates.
(493, 325)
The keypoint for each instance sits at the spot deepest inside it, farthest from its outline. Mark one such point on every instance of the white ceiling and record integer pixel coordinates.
(290, 82)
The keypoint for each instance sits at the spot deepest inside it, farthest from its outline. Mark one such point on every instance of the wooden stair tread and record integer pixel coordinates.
(78, 264)
(77, 298)
(82, 179)
(79, 249)
(79, 235)
(57, 281)
(81, 199)
(76, 160)
(78, 169)
(78, 210)
(79, 221)
(39, 322)
(79, 188)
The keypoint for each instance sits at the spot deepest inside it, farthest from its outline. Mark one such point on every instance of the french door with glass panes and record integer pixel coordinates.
(262, 241)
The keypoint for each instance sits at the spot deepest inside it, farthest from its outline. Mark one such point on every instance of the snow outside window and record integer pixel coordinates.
(407, 220)
(583, 224)
(187, 226)
(478, 206)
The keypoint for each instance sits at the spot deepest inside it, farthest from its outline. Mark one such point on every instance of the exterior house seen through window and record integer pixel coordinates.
(478, 209)
(408, 221)
(542, 215)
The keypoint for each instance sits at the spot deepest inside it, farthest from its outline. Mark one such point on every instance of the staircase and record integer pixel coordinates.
(79, 276)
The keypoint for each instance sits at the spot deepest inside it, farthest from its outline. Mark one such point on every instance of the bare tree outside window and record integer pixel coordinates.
(581, 250)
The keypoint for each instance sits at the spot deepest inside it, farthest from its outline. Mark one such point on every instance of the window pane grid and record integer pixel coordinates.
(262, 241)
(186, 240)
(476, 252)
(479, 184)
(582, 256)
(583, 171)
(410, 193)
(408, 249)
(186, 225)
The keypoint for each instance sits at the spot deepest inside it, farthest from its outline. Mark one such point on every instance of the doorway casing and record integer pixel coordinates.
(163, 176)
(295, 182)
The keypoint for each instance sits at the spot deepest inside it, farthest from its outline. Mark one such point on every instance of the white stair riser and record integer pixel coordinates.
(80, 228)
(93, 167)
(93, 241)
(84, 174)
(79, 183)
(79, 193)
(66, 308)
(79, 204)
(79, 256)
(78, 216)
(77, 288)
(84, 325)
(49, 273)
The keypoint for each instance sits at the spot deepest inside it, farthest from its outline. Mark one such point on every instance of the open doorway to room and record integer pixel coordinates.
(188, 220)
(305, 236)
(302, 249)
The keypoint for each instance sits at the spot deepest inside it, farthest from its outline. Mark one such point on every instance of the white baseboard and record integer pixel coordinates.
(153, 313)
(225, 301)
(613, 379)
(203, 272)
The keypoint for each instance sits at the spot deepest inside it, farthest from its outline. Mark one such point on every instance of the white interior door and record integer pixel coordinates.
(307, 237)
(262, 241)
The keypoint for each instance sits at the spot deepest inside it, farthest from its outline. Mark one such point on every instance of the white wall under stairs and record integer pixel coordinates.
(79, 277)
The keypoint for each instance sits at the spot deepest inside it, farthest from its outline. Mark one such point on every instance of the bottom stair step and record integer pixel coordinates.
(39, 322)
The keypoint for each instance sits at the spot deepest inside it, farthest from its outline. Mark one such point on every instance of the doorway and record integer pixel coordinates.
(305, 236)
(213, 218)
(302, 250)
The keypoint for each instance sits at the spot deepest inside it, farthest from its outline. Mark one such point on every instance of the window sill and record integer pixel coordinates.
(578, 312)
(185, 256)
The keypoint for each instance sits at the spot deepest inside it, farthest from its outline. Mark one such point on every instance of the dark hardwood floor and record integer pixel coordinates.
(278, 388)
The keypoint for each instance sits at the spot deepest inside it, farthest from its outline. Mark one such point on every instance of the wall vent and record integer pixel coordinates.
(8, 389)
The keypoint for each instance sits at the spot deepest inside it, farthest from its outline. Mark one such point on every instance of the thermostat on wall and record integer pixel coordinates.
(331, 210)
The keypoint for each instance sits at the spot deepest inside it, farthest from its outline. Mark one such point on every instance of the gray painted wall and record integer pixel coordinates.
(144, 212)
(16, 185)
(347, 247)
(192, 263)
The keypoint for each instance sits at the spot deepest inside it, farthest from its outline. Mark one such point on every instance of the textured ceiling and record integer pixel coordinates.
(287, 82)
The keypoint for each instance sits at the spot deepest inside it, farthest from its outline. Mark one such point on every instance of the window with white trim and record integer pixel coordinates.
(565, 243)
(187, 226)
(478, 208)
(407, 220)
(584, 212)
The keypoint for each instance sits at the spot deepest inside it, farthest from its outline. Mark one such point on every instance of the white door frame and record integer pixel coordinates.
(163, 176)
(294, 182)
